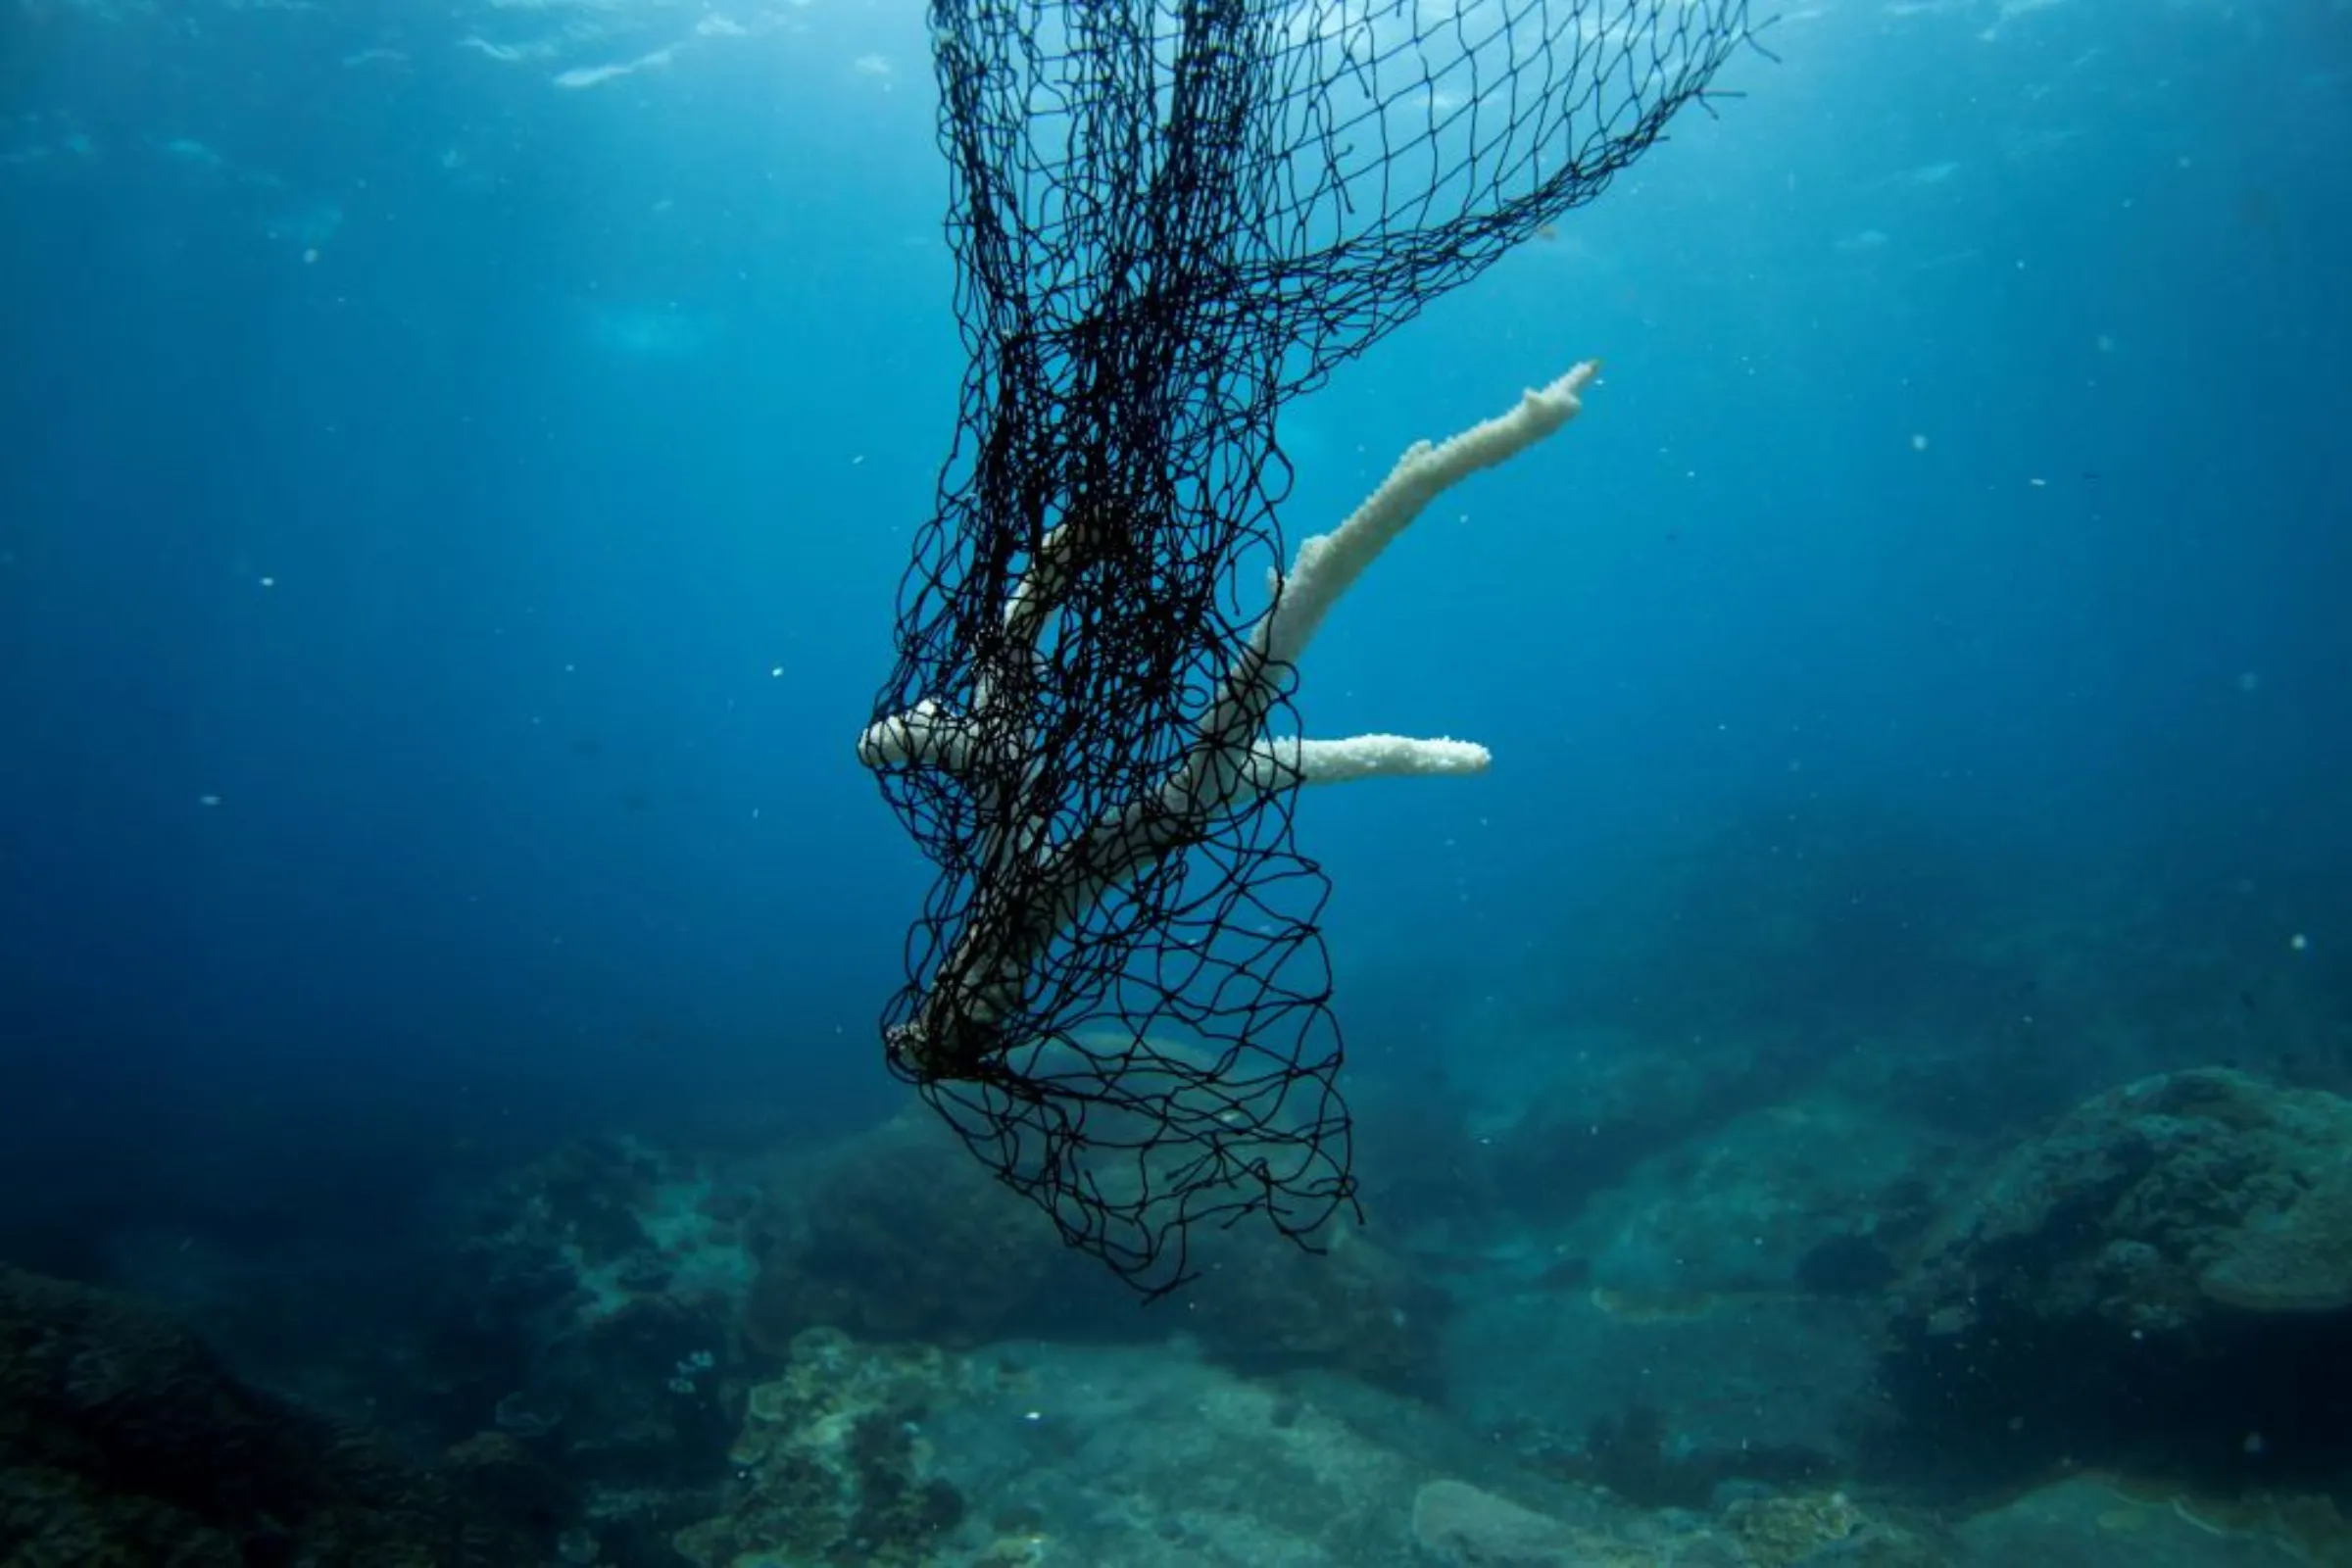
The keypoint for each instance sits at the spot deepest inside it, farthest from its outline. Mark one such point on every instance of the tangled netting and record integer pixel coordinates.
(1170, 217)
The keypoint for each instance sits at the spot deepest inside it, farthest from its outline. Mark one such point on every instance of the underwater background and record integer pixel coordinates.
(1861, 1080)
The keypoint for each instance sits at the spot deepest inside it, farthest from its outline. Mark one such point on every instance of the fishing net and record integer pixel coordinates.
(1170, 218)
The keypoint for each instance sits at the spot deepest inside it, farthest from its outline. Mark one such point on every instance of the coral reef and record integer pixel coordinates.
(1356, 1309)
(1823, 1527)
(832, 1465)
(588, 1326)
(899, 1236)
(124, 1443)
(2164, 1280)
(902, 1238)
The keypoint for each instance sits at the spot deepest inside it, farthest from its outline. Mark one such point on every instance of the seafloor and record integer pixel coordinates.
(2001, 1242)
(1630, 1321)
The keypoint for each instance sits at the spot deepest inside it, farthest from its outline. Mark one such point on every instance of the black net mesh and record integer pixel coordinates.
(1170, 217)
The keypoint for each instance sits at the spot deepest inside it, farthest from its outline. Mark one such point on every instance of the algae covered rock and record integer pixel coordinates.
(2291, 1251)
(125, 1441)
(1794, 1530)
(2155, 1204)
(900, 1235)
(1468, 1527)
(832, 1464)
(2163, 1278)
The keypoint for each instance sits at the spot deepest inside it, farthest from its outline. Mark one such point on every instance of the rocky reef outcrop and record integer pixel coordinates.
(125, 1443)
(2161, 1281)
(903, 1236)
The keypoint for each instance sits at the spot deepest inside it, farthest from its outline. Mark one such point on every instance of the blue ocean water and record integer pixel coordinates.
(457, 468)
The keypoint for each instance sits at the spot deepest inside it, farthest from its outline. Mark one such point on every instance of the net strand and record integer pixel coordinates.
(1170, 218)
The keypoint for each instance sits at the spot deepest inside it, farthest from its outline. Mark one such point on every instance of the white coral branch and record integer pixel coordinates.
(1229, 761)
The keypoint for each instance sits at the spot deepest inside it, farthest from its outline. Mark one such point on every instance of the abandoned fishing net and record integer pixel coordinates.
(1169, 218)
